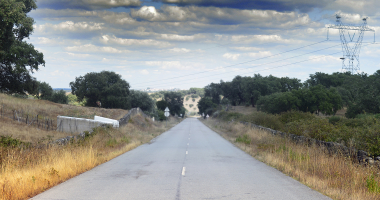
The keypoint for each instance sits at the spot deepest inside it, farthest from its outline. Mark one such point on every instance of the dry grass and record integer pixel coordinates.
(45, 109)
(52, 110)
(28, 172)
(187, 103)
(243, 109)
(334, 176)
(26, 133)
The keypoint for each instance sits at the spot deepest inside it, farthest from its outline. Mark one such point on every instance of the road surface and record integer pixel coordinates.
(190, 161)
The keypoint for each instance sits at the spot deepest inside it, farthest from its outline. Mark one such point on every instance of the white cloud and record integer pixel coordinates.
(95, 49)
(170, 65)
(246, 48)
(106, 39)
(231, 56)
(88, 4)
(260, 54)
(70, 26)
(180, 50)
(324, 59)
(144, 72)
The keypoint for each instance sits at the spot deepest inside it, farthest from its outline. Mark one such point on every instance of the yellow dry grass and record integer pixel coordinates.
(45, 109)
(332, 175)
(52, 110)
(187, 103)
(30, 171)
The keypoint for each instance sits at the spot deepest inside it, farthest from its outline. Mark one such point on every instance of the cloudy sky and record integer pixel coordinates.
(191, 43)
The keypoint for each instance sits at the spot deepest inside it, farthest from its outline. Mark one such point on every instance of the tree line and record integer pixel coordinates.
(320, 93)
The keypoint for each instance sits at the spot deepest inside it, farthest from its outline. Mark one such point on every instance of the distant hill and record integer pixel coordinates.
(65, 89)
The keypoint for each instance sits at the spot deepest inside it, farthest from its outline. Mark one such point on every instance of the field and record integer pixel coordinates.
(28, 168)
(191, 105)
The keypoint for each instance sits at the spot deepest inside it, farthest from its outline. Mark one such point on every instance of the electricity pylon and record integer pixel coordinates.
(351, 52)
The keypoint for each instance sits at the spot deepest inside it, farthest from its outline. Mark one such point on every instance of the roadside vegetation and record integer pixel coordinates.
(360, 133)
(332, 175)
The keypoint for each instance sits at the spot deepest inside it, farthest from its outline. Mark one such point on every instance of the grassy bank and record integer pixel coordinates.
(361, 133)
(333, 176)
(26, 172)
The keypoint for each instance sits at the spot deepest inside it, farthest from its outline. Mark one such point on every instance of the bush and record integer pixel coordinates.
(161, 115)
(334, 119)
(60, 97)
(264, 119)
(292, 116)
(194, 96)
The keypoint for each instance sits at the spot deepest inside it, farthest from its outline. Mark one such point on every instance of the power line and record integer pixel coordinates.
(242, 63)
(196, 80)
(258, 65)
(144, 83)
(182, 83)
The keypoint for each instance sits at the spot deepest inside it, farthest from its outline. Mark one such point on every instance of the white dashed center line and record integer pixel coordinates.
(187, 152)
(183, 171)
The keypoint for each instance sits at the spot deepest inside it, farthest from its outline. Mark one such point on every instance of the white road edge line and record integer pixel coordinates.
(183, 171)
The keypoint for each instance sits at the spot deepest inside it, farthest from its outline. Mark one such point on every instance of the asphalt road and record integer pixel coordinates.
(190, 161)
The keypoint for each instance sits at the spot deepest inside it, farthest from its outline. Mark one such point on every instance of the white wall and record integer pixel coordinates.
(107, 120)
(77, 125)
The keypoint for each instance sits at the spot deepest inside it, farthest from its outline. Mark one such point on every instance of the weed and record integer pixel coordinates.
(372, 184)
(111, 142)
(8, 141)
(245, 139)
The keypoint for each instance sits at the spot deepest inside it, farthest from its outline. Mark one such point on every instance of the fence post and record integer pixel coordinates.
(26, 121)
(2, 110)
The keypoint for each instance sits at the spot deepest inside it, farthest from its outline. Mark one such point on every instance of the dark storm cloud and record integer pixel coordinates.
(87, 4)
(278, 5)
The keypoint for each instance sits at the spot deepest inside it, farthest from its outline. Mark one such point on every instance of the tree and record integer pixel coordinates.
(17, 58)
(45, 91)
(206, 106)
(106, 87)
(161, 105)
(174, 101)
(60, 97)
(142, 100)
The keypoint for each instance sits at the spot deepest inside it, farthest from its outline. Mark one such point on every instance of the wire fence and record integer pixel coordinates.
(29, 119)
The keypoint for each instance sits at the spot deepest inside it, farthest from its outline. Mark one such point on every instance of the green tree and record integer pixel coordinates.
(45, 91)
(60, 97)
(107, 87)
(174, 101)
(206, 106)
(142, 100)
(161, 105)
(17, 57)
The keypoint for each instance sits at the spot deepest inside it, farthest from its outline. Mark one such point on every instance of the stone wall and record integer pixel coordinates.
(77, 125)
(331, 147)
(134, 111)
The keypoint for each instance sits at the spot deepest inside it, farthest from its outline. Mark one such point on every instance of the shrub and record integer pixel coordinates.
(334, 119)
(292, 116)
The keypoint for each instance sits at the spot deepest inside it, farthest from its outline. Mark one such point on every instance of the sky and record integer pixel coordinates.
(191, 43)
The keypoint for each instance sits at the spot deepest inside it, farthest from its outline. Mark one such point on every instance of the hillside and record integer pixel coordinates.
(191, 105)
(28, 109)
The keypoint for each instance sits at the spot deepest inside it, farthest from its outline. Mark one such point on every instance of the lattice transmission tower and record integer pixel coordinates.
(350, 45)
